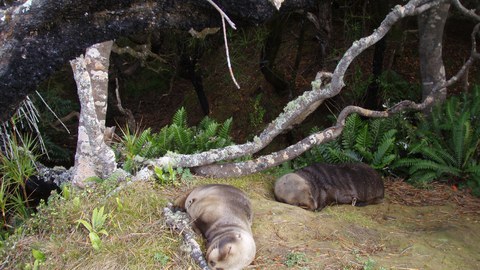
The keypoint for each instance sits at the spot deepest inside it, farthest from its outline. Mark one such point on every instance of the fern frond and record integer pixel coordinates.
(362, 140)
(141, 141)
(180, 118)
(405, 162)
(211, 129)
(437, 154)
(439, 169)
(182, 138)
(375, 129)
(352, 126)
(474, 169)
(224, 131)
(206, 121)
(383, 149)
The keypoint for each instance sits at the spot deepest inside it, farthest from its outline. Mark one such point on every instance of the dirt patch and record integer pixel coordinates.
(411, 229)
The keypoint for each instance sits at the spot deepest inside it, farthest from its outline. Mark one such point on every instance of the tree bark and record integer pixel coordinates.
(431, 25)
(93, 156)
(39, 37)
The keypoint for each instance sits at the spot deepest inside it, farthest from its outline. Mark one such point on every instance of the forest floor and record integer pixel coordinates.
(438, 228)
(411, 229)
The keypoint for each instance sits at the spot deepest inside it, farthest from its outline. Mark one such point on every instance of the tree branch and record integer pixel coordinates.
(464, 10)
(180, 222)
(331, 133)
(296, 111)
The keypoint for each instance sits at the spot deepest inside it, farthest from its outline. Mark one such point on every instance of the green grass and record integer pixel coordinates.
(137, 236)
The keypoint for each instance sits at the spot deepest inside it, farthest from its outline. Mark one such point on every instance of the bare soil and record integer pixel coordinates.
(413, 228)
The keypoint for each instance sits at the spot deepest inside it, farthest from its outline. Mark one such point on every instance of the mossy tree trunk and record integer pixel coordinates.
(93, 157)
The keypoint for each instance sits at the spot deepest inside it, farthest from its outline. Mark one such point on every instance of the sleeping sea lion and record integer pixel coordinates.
(319, 185)
(223, 215)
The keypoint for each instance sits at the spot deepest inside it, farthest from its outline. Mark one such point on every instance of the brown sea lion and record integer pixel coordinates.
(319, 185)
(223, 215)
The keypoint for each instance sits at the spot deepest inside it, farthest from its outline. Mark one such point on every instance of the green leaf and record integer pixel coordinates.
(38, 255)
(86, 224)
(180, 118)
(95, 241)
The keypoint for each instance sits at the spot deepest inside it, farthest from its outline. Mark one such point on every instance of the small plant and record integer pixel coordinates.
(258, 113)
(39, 259)
(185, 174)
(95, 227)
(134, 144)
(295, 258)
(161, 258)
(166, 177)
(446, 145)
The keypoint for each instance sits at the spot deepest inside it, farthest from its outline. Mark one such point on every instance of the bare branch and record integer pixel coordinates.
(132, 124)
(228, 54)
(398, 12)
(464, 10)
(225, 16)
(142, 52)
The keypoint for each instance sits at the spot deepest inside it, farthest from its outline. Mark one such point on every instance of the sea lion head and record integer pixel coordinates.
(295, 190)
(231, 251)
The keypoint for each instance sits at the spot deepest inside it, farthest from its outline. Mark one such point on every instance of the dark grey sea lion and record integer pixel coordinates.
(223, 214)
(319, 185)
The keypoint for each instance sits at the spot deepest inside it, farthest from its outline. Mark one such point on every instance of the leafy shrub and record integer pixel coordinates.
(369, 141)
(180, 138)
(177, 137)
(446, 145)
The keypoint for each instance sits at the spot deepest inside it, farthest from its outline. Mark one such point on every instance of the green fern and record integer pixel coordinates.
(370, 141)
(133, 144)
(180, 118)
(446, 145)
(177, 137)
(224, 131)
(182, 138)
(352, 125)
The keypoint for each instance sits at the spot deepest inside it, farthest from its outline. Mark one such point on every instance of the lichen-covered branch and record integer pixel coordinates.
(274, 159)
(298, 109)
(293, 151)
(180, 222)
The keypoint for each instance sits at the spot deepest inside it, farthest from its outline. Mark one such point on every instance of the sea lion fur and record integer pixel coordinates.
(223, 215)
(319, 185)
